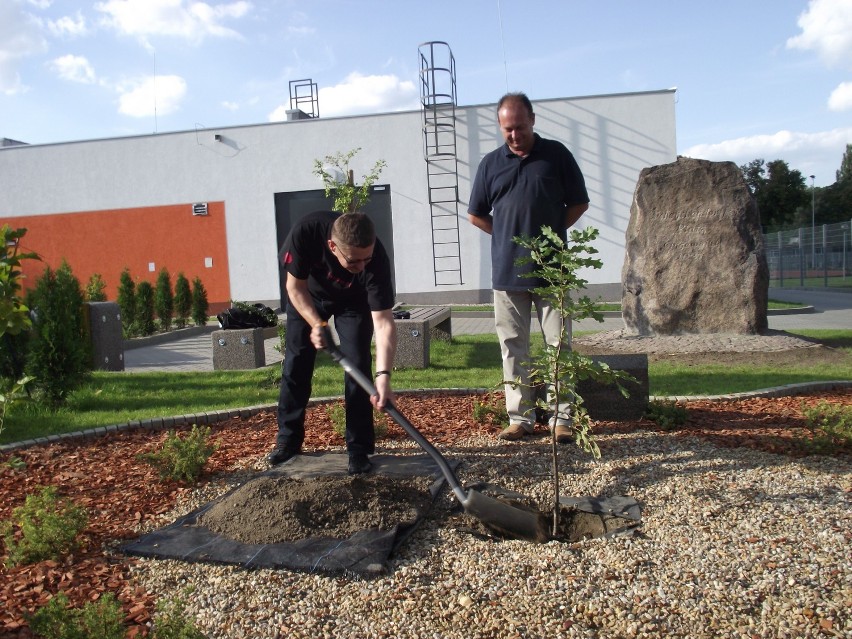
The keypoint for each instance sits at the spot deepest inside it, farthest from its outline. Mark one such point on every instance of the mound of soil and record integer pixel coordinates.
(268, 510)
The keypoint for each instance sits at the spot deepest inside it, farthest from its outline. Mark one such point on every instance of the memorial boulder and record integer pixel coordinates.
(694, 259)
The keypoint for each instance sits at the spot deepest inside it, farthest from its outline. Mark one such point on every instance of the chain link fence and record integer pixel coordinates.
(819, 256)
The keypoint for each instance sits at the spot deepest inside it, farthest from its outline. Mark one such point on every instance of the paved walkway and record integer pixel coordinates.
(831, 309)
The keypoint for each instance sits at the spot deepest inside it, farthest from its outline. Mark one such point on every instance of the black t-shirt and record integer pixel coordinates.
(524, 194)
(306, 255)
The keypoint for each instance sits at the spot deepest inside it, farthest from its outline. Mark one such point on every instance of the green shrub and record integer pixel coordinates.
(667, 414)
(96, 289)
(172, 622)
(164, 299)
(14, 314)
(48, 527)
(182, 458)
(10, 391)
(830, 425)
(183, 301)
(144, 319)
(102, 619)
(58, 357)
(127, 302)
(200, 306)
(488, 411)
(13, 354)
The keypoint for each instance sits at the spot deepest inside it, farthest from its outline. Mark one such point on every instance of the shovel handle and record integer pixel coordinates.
(390, 408)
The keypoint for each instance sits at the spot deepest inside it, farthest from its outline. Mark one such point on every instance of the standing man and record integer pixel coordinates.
(335, 268)
(527, 183)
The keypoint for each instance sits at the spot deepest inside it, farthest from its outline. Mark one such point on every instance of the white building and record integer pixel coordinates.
(105, 205)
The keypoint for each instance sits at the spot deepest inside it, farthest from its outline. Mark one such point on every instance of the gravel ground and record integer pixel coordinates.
(734, 543)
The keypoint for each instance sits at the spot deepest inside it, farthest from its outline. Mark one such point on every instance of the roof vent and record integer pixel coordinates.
(199, 208)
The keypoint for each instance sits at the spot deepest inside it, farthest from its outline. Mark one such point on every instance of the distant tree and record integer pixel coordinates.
(753, 172)
(781, 195)
(183, 301)
(164, 299)
(844, 173)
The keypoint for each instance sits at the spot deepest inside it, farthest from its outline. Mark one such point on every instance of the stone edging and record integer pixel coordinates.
(212, 417)
(777, 311)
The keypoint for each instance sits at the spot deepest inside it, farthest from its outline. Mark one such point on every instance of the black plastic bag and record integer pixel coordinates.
(247, 316)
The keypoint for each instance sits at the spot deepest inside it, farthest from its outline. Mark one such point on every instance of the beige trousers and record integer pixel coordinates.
(512, 319)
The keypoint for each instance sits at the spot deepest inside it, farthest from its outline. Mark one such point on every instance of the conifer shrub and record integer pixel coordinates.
(96, 289)
(127, 302)
(200, 305)
(164, 299)
(59, 353)
(183, 301)
(144, 318)
(45, 527)
(182, 458)
(101, 619)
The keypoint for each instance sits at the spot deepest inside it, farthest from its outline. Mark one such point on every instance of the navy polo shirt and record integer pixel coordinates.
(306, 256)
(524, 194)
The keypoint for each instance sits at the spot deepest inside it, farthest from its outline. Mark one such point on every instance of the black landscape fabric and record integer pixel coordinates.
(365, 553)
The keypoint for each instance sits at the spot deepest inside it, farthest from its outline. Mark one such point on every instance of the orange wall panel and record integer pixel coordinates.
(109, 241)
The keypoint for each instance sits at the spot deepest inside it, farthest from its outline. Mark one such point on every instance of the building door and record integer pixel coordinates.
(293, 206)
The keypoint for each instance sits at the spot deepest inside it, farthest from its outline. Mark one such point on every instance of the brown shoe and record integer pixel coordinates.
(564, 434)
(513, 432)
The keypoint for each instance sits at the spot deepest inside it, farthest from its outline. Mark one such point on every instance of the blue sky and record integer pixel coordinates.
(767, 79)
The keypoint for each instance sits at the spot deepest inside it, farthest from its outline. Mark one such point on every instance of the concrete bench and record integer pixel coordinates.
(240, 348)
(414, 335)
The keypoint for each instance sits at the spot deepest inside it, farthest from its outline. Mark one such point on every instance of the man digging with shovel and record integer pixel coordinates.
(335, 268)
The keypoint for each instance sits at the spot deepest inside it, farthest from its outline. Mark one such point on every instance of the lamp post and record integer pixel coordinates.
(813, 227)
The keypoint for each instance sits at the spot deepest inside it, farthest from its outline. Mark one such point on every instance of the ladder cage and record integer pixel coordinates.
(438, 100)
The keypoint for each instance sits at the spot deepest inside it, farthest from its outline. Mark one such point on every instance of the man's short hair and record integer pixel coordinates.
(354, 229)
(516, 97)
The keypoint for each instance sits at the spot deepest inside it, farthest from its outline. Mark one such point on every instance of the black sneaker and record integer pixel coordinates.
(359, 464)
(280, 455)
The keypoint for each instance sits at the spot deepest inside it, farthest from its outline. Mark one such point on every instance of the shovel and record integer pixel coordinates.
(505, 518)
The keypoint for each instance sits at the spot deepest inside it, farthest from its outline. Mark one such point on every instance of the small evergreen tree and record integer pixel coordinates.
(59, 356)
(144, 320)
(183, 301)
(127, 302)
(200, 306)
(164, 299)
(96, 289)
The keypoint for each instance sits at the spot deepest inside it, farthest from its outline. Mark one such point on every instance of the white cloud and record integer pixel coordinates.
(20, 37)
(818, 153)
(67, 26)
(74, 68)
(359, 94)
(827, 29)
(841, 98)
(231, 106)
(162, 94)
(180, 18)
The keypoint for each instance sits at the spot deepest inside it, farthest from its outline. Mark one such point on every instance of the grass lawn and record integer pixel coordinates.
(470, 361)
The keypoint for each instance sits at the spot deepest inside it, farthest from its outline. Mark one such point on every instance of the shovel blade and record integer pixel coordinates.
(509, 520)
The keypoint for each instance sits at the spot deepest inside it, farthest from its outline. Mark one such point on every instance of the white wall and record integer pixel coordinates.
(612, 136)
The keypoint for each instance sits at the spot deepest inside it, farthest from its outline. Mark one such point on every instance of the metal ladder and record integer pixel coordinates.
(438, 102)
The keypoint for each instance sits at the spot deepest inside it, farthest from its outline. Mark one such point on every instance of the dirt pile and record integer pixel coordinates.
(268, 510)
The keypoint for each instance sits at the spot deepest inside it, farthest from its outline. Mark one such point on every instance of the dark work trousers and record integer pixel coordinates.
(354, 327)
